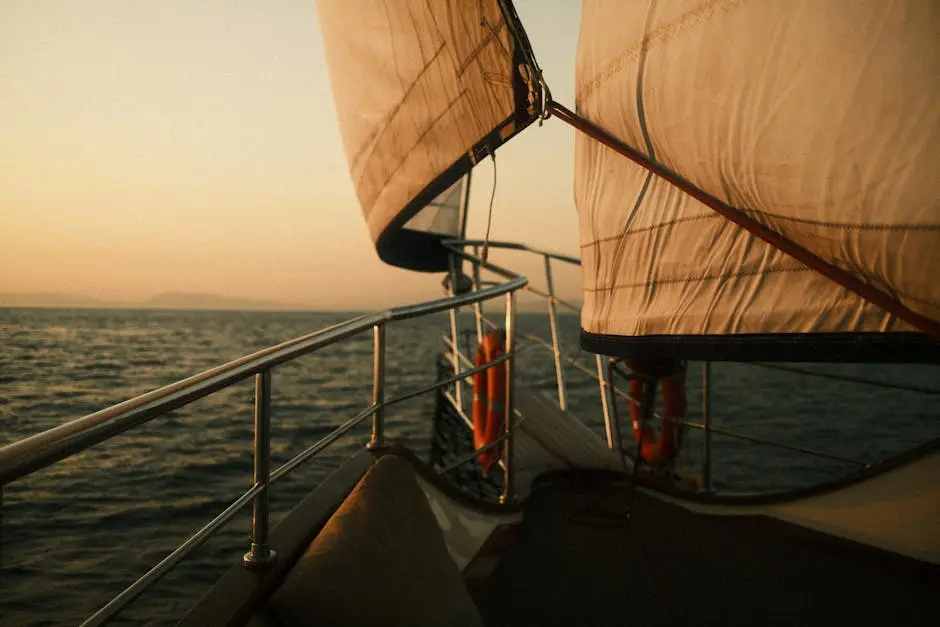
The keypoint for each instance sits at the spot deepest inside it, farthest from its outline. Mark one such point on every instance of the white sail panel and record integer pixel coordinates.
(818, 118)
(445, 214)
(422, 89)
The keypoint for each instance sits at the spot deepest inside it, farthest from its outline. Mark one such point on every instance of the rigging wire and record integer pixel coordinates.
(850, 379)
(489, 217)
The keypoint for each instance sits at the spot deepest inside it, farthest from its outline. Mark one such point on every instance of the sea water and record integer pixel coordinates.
(76, 533)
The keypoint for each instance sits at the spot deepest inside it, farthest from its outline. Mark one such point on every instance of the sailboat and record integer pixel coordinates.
(755, 182)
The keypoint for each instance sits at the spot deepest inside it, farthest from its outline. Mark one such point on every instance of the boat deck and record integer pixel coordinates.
(577, 560)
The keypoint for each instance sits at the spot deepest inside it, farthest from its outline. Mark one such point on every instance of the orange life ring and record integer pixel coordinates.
(489, 398)
(662, 449)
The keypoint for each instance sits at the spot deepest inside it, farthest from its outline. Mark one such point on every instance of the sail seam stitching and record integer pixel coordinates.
(699, 279)
(703, 13)
(833, 272)
(640, 71)
(491, 35)
(840, 225)
(379, 132)
(652, 227)
(421, 137)
(845, 225)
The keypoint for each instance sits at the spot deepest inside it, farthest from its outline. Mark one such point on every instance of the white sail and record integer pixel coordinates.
(446, 214)
(423, 90)
(820, 119)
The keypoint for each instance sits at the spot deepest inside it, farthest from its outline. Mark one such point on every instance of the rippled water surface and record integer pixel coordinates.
(76, 533)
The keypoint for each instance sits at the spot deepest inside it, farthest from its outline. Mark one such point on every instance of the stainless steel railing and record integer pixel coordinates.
(41, 450)
(459, 251)
(33, 453)
(602, 372)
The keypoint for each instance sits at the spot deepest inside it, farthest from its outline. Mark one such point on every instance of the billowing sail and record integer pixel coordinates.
(818, 119)
(423, 91)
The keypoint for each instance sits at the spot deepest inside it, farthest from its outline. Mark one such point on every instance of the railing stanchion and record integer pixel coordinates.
(453, 328)
(378, 387)
(611, 427)
(508, 471)
(556, 346)
(477, 306)
(259, 553)
(706, 428)
(21, 458)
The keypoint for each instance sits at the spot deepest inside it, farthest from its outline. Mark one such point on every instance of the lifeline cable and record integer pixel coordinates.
(849, 379)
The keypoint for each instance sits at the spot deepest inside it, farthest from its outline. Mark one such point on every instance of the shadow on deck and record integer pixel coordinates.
(578, 561)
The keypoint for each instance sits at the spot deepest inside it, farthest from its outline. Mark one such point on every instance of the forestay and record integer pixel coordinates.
(423, 91)
(819, 119)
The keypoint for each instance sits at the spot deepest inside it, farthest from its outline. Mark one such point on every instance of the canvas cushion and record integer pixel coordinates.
(380, 560)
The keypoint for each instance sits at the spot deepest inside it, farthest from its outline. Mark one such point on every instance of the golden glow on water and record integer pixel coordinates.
(162, 146)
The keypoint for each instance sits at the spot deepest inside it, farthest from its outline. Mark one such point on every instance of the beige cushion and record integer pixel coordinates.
(380, 560)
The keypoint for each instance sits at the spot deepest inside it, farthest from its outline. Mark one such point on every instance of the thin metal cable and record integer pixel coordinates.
(851, 379)
(489, 217)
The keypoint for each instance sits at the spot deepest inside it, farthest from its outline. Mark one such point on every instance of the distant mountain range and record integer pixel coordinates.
(186, 300)
(195, 301)
(168, 300)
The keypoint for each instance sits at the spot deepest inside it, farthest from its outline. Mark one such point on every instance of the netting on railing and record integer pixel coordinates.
(451, 441)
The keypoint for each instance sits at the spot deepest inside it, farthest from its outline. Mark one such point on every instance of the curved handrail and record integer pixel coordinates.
(827, 486)
(47, 447)
(455, 246)
(451, 244)
(608, 392)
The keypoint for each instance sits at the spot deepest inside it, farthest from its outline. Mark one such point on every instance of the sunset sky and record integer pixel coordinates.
(149, 146)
